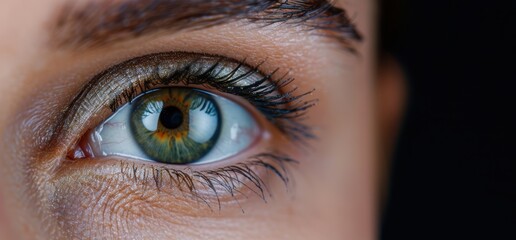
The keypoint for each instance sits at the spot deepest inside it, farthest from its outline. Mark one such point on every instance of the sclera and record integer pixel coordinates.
(239, 130)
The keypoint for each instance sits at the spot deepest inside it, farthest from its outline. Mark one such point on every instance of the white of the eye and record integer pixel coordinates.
(202, 125)
(114, 137)
(238, 131)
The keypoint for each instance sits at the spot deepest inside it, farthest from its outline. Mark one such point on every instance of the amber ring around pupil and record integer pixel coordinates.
(175, 125)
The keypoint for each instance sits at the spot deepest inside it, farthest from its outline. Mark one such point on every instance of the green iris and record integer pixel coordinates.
(175, 125)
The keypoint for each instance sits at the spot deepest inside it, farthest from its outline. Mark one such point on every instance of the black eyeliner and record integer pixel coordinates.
(120, 84)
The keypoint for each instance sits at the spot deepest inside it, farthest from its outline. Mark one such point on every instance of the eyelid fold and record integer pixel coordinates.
(120, 84)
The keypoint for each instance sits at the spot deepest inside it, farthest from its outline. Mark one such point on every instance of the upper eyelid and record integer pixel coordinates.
(108, 86)
(112, 86)
(165, 72)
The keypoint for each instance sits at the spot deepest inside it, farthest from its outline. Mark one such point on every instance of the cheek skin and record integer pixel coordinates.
(92, 202)
(110, 198)
(333, 196)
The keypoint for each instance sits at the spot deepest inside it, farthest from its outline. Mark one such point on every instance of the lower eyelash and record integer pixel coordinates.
(209, 186)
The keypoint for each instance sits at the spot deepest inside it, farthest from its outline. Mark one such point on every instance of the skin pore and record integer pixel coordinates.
(331, 192)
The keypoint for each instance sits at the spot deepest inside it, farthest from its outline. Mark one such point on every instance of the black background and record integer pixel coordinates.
(454, 171)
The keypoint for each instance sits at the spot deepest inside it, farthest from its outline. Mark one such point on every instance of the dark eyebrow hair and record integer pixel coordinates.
(101, 22)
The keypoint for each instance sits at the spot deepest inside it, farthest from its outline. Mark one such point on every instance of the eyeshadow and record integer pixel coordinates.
(121, 83)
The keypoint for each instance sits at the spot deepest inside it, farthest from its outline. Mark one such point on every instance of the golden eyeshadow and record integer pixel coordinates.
(112, 88)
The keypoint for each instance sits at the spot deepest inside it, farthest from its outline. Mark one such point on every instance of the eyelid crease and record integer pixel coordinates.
(123, 82)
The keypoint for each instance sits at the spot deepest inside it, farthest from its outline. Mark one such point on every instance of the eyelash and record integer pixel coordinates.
(226, 179)
(285, 110)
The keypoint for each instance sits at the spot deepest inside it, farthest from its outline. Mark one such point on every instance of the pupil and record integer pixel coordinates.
(171, 117)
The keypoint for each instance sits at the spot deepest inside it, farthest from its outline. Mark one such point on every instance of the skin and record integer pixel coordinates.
(335, 195)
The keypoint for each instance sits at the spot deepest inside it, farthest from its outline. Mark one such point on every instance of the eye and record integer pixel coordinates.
(186, 127)
(175, 125)
(188, 109)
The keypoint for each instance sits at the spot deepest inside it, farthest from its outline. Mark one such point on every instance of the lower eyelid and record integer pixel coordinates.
(214, 188)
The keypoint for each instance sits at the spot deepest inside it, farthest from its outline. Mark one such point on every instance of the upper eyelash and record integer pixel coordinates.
(283, 109)
(121, 83)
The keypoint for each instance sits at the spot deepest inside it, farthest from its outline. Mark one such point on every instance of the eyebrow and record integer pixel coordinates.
(99, 22)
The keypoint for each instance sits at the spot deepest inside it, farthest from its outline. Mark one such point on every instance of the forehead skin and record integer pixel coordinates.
(25, 53)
